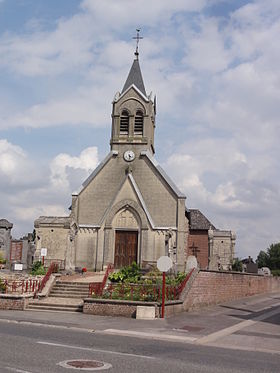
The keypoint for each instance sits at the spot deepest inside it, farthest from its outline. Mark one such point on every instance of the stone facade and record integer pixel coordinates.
(128, 209)
(221, 249)
(213, 248)
(5, 238)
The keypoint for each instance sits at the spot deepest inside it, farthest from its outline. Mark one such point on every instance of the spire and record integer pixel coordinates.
(135, 75)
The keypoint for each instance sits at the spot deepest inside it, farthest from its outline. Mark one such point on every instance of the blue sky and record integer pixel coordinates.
(214, 66)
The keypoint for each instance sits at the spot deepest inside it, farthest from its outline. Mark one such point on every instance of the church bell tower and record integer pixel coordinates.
(133, 114)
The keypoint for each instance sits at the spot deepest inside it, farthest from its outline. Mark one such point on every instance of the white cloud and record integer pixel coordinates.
(217, 81)
(62, 164)
(27, 192)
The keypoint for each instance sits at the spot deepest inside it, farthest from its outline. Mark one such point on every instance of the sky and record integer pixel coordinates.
(214, 67)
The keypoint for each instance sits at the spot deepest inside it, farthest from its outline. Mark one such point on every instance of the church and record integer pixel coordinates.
(129, 210)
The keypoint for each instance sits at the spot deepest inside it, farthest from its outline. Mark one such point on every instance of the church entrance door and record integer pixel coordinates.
(125, 248)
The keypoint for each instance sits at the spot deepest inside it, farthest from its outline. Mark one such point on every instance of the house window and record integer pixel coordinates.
(138, 124)
(124, 123)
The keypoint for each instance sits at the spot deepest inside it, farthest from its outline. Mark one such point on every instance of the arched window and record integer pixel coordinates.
(138, 124)
(124, 123)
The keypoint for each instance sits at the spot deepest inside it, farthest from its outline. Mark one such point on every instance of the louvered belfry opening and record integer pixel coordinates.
(124, 124)
(138, 124)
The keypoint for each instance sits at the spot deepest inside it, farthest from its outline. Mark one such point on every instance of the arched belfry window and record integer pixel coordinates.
(124, 123)
(138, 124)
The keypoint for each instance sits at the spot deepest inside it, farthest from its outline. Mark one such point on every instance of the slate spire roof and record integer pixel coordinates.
(135, 77)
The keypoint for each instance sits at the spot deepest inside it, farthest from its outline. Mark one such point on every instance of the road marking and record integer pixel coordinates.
(94, 350)
(134, 333)
(232, 329)
(17, 370)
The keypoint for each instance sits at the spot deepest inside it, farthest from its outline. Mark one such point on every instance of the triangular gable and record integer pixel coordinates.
(96, 171)
(162, 173)
(136, 89)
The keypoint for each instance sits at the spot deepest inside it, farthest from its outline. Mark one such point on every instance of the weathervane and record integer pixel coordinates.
(137, 37)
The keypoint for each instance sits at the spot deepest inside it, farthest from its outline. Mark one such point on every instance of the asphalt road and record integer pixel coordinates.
(38, 349)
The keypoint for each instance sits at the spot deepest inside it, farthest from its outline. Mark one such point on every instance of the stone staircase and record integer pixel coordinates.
(67, 289)
(64, 296)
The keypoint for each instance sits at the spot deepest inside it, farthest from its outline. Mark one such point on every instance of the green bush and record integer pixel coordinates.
(2, 287)
(237, 265)
(2, 259)
(38, 268)
(275, 272)
(130, 274)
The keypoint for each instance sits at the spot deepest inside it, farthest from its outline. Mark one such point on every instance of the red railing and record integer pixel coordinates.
(22, 286)
(52, 268)
(181, 286)
(98, 287)
(143, 292)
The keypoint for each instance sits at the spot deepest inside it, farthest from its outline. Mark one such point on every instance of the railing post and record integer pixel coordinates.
(163, 295)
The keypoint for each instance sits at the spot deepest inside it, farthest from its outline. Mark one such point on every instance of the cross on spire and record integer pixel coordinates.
(137, 38)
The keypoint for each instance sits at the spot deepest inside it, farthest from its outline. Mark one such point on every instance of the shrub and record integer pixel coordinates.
(237, 265)
(38, 268)
(2, 287)
(275, 272)
(2, 259)
(130, 274)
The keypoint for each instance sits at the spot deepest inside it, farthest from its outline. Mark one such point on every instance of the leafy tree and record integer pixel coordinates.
(237, 265)
(270, 258)
(262, 259)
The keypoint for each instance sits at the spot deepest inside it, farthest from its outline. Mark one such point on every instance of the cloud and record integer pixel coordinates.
(26, 193)
(217, 83)
(63, 166)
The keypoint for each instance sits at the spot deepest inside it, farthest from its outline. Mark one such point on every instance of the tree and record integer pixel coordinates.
(262, 259)
(270, 258)
(237, 265)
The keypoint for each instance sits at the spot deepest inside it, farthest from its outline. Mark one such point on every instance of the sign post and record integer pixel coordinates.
(43, 254)
(164, 263)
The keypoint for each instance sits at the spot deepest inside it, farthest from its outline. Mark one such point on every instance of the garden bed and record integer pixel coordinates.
(127, 308)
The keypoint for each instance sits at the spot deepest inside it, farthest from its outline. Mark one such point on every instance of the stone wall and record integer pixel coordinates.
(111, 307)
(13, 302)
(212, 287)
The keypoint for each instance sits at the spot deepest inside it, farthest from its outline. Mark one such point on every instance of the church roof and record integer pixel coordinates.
(198, 221)
(52, 220)
(135, 77)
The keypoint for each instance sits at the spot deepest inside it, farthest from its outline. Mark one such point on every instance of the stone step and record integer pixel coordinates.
(62, 295)
(72, 283)
(69, 295)
(85, 288)
(62, 290)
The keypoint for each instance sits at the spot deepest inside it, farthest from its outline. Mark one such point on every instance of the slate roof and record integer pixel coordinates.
(198, 221)
(135, 77)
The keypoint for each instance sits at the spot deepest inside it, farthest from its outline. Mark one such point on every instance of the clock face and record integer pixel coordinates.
(129, 155)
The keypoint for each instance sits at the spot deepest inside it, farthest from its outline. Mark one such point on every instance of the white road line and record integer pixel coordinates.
(232, 329)
(17, 370)
(133, 333)
(94, 350)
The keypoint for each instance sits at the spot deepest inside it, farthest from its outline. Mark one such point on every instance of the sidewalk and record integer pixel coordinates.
(250, 323)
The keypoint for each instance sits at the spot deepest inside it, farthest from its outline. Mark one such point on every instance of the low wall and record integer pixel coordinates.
(213, 287)
(13, 302)
(113, 307)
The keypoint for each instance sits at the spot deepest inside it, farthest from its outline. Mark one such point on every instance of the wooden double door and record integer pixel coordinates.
(126, 244)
